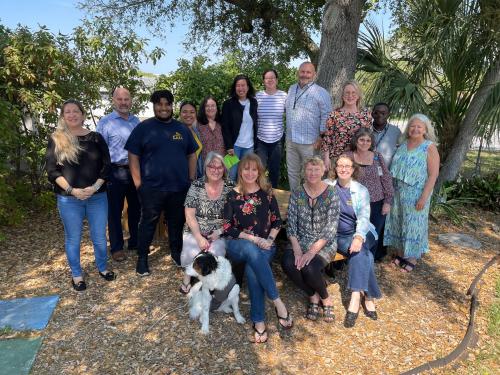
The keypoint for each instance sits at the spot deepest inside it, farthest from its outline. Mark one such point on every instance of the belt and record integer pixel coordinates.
(125, 166)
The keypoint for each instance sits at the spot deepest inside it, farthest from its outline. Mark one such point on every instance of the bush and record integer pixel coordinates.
(482, 191)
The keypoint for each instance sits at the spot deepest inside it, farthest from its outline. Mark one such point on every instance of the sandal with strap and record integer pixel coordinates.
(407, 266)
(260, 334)
(288, 319)
(312, 311)
(328, 315)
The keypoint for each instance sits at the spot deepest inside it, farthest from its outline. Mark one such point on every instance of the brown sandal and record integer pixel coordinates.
(328, 315)
(312, 311)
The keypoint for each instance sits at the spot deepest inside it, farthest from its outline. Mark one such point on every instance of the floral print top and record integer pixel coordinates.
(340, 127)
(310, 223)
(211, 140)
(208, 212)
(256, 214)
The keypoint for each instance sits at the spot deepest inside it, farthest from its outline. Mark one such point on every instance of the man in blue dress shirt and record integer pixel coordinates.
(116, 128)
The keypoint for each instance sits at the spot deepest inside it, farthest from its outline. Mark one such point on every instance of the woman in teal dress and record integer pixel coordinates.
(415, 168)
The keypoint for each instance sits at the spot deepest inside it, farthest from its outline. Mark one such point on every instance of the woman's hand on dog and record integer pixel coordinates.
(202, 242)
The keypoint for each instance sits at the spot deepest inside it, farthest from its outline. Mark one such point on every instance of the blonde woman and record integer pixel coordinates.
(415, 168)
(344, 122)
(251, 223)
(78, 164)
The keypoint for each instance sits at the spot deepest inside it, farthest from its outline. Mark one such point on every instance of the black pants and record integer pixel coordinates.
(310, 278)
(270, 154)
(153, 202)
(378, 220)
(120, 186)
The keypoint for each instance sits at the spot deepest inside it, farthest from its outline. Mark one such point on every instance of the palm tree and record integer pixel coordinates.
(442, 61)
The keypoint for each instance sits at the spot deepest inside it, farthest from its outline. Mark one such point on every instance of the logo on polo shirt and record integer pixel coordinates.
(177, 136)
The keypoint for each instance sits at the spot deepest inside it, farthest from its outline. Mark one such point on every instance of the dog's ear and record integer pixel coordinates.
(208, 265)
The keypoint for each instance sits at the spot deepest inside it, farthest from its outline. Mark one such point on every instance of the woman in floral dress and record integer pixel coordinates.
(344, 122)
(251, 223)
(415, 169)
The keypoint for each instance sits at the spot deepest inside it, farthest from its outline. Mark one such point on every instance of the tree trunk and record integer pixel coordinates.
(477, 167)
(468, 127)
(338, 47)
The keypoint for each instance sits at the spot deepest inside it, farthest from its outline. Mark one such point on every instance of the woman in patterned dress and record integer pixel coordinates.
(313, 215)
(415, 168)
(251, 223)
(210, 128)
(343, 122)
(203, 208)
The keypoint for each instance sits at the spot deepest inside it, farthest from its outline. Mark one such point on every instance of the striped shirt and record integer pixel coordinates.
(307, 110)
(270, 112)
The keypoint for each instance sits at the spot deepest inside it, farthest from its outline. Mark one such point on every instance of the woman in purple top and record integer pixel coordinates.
(377, 179)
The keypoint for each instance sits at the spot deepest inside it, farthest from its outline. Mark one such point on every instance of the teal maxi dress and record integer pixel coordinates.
(406, 228)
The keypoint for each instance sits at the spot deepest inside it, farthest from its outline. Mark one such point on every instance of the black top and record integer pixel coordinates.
(232, 116)
(93, 163)
(256, 214)
(162, 148)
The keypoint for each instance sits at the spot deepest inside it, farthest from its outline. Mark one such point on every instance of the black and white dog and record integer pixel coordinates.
(216, 291)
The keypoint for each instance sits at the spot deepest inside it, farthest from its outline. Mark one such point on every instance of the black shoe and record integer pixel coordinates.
(79, 286)
(109, 276)
(142, 268)
(371, 314)
(350, 319)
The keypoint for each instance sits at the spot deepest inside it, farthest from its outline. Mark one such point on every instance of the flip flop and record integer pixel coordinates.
(260, 334)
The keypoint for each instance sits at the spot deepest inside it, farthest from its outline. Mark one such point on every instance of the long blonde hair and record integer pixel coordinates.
(357, 87)
(67, 147)
(262, 181)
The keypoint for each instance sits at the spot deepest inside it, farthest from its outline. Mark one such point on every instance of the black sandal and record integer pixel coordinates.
(108, 276)
(312, 311)
(260, 334)
(328, 315)
(350, 319)
(288, 319)
(79, 286)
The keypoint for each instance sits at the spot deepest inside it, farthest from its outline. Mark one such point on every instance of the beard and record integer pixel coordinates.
(162, 117)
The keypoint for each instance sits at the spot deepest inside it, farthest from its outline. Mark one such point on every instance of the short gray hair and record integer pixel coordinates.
(210, 157)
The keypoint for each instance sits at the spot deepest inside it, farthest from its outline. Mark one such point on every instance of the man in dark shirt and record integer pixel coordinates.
(162, 160)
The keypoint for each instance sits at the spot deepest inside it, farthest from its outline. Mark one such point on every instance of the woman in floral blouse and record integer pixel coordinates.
(203, 208)
(210, 128)
(251, 223)
(313, 215)
(343, 122)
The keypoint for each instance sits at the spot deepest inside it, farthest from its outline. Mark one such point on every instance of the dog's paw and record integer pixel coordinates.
(240, 319)
(205, 330)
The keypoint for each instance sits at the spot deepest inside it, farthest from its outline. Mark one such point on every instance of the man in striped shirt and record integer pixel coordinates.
(270, 111)
(307, 108)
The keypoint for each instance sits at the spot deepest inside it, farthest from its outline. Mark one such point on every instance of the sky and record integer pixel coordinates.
(62, 16)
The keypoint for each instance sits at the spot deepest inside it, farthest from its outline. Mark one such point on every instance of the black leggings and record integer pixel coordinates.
(309, 278)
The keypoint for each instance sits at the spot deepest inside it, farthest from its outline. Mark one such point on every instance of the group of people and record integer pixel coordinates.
(376, 192)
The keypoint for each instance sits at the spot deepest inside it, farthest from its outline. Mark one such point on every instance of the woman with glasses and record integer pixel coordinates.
(355, 237)
(343, 122)
(204, 214)
(78, 164)
(209, 127)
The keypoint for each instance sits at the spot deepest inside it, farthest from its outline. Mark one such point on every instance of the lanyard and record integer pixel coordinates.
(383, 135)
(302, 93)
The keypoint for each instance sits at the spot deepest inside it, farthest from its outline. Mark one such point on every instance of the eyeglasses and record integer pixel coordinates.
(343, 166)
(213, 168)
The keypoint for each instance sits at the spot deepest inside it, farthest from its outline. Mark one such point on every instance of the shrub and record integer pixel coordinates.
(484, 191)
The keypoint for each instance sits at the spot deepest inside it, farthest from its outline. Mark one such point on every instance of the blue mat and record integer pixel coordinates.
(17, 355)
(27, 313)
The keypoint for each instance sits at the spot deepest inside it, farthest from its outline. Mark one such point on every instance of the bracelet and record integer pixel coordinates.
(96, 186)
(68, 190)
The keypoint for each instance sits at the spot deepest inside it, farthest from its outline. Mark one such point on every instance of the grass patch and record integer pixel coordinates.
(490, 160)
(494, 314)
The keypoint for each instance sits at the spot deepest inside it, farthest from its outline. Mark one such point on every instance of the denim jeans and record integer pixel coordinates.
(361, 268)
(72, 212)
(153, 202)
(119, 186)
(239, 152)
(258, 271)
(270, 154)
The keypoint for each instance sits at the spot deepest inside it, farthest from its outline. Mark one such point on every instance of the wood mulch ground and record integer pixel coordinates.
(140, 325)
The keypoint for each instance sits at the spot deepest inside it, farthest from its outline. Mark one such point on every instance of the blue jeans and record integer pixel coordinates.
(270, 154)
(361, 268)
(239, 152)
(72, 212)
(258, 271)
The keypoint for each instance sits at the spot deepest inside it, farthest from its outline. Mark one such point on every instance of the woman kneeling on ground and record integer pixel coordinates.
(313, 215)
(204, 207)
(355, 237)
(252, 222)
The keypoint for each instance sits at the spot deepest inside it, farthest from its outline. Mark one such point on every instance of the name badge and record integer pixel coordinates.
(380, 172)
